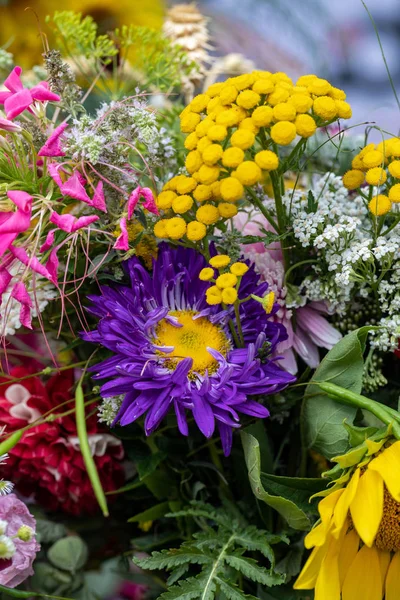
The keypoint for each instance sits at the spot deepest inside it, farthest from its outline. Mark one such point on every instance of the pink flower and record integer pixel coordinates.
(255, 225)
(122, 242)
(13, 223)
(20, 293)
(73, 188)
(16, 569)
(52, 147)
(98, 200)
(70, 223)
(18, 98)
(7, 125)
(149, 203)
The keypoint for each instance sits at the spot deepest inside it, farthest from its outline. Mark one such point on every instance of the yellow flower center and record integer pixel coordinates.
(388, 536)
(191, 341)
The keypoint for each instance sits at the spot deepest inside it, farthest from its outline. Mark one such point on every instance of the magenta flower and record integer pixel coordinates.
(17, 98)
(149, 204)
(70, 223)
(52, 147)
(14, 515)
(20, 293)
(7, 125)
(98, 200)
(73, 188)
(14, 222)
(122, 242)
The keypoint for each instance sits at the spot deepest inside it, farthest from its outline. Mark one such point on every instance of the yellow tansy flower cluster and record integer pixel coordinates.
(234, 133)
(378, 166)
(226, 283)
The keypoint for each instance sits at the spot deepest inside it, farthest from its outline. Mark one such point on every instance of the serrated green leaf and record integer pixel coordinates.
(169, 559)
(323, 417)
(232, 592)
(255, 540)
(250, 569)
(151, 514)
(177, 574)
(210, 585)
(185, 590)
(295, 517)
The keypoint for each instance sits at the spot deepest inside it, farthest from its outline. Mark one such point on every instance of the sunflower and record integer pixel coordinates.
(356, 544)
(174, 352)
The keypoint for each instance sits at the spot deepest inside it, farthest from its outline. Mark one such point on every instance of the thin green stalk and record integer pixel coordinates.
(263, 210)
(239, 325)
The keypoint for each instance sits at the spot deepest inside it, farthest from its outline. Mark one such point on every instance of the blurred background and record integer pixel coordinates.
(334, 39)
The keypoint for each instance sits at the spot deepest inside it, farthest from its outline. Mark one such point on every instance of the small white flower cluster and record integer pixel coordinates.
(10, 308)
(5, 486)
(387, 337)
(7, 546)
(109, 408)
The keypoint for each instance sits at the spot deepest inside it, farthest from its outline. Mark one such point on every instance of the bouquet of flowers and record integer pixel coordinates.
(200, 325)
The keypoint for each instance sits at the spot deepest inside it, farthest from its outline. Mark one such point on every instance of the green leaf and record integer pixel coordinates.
(254, 540)
(250, 569)
(185, 590)
(70, 553)
(296, 489)
(295, 516)
(232, 592)
(358, 435)
(323, 417)
(177, 574)
(149, 464)
(47, 531)
(151, 514)
(169, 559)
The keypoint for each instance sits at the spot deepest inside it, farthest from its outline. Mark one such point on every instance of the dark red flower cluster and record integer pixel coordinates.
(47, 463)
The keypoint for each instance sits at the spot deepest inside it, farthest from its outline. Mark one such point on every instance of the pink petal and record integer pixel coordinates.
(42, 93)
(150, 203)
(74, 189)
(53, 147)
(7, 125)
(49, 241)
(122, 242)
(5, 278)
(84, 222)
(16, 104)
(13, 81)
(29, 261)
(133, 200)
(70, 223)
(6, 240)
(319, 330)
(53, 169)
(306, 349)
(288, 361)
(13, 223)
(4, 96)
(98, 200)
(52, 265)
(20, 293)
(22, 200)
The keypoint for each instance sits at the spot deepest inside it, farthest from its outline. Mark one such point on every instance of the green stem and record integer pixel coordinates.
(351, 398)
(239, 325)
(299, 264)
(280, 214)
(263, 210)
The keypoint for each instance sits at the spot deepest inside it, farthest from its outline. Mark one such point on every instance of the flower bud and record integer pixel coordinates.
(25, 533)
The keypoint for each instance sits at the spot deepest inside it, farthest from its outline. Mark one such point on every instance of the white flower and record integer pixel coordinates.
(3, 526)
(7, 548)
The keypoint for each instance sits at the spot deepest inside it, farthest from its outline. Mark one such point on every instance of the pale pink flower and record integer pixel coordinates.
(7, 125)
(15, 570)
(17, 98)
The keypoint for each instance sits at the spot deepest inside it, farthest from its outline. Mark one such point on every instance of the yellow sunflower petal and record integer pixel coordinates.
(317, 536)
(388, 465)
(384, 561)
(343, 504)
(348, 553)
(328, 582)
(393, 579)
(308, 576)
(363, 579)
(367, 506)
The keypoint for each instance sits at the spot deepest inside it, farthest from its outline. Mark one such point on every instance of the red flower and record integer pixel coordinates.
(47, 462)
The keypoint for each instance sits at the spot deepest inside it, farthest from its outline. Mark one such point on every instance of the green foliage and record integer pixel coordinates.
(323, 417)
(69, 553)
(78, 36)
(221, 549)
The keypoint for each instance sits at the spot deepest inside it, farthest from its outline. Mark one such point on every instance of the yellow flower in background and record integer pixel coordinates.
(356, 544)
(20, 29)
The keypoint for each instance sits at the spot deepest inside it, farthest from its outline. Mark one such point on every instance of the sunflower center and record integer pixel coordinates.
(191, 340)
(388, 536)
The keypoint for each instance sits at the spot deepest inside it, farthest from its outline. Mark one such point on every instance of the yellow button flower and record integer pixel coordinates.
(199, 103)
(357, 163)
(239, 269)
(217, 133)
(343, 109)
(202, 193)
(228, 94)
(262, 116)
(248, 172)
(394, 169)
(249, 124)
(207, 214)
(220, 261)
(181, 204)
(212, 154)
(319, 87)
(337, 93)
(213, 295)
(301, 102)
(189, 122)
(186, 185)
(263, 86)
(206, 274)
(395, 148)
(376, 176)
(226, 280)
(394, 193)
(231, 189)
(215, 89)
(191, 141)
(380, 205)
(325, 107)
(242, 138)
(267, 160)
(229, 295)
(193, 161)
(196, 231)
(232, 157)
(212, 105)
(374, 158)
(227, 210)
(284, 111)
(203, 127)
(283, 133)
(228, 118)
(175, 228)
(241, 82)
(160, 230)
(208, 174)
(305, 80)
(204, 142)
(353, 179)
(280, 94)
(164, 199)
(248, 99)
(305, 126)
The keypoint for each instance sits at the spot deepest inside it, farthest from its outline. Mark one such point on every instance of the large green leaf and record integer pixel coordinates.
(296, 489)
(323, 417)
(295, 516)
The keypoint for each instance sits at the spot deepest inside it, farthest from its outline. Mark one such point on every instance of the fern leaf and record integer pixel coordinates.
(169, 559)
(209, 582)
(250, 569)
(231, 591)
(208, 539)
(176, 574)
(185, 590)
(254, 540)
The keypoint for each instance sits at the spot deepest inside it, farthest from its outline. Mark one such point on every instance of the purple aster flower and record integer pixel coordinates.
(171, 350)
